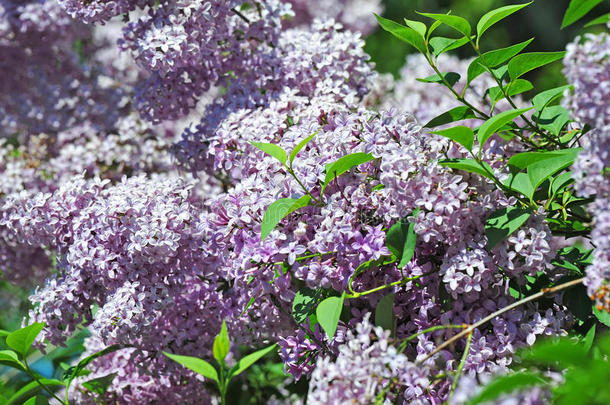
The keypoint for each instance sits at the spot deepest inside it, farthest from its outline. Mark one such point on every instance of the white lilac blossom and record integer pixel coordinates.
(366, 365)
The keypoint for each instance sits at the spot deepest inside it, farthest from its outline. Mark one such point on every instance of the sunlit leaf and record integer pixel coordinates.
(521, 64)
(328, 313)
(21, 340)
(458, 23)
(272, 150)
(468, 165)
(577, 10)
(460, 134)
(278, 210)
(403, 33)
(496, 15)
(195, 364)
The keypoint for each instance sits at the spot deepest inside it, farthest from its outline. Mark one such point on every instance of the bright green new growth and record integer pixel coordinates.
(221, 375)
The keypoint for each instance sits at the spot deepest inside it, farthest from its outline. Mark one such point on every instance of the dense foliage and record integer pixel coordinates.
(221, 201)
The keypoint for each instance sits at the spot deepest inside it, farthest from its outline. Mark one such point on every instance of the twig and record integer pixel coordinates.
(240, 15)
(403, 345)
(460, 366)
(393, 284)
(499, 312)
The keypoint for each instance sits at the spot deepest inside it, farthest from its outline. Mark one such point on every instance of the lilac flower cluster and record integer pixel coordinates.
(43, 96)
(130, 384)
(153, 259)
(356, 15)
(367, 364)
(587, 67)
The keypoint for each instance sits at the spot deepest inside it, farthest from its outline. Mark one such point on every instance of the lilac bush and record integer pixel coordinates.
(172, 169)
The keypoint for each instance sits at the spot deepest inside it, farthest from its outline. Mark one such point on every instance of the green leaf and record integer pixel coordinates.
(400, 240)
(343, 164)
(496, 15)
(384, 313)
(589, 337)
(468, 165)
(455, 114)
(602, 316)
(278, 210)
(31, 389)
(551, 352)
(300, 146)
(249, 360)
(403, 33)
(441, 45)
(507, 384)
(221, 346)
(604, 19)
(458, 23)
(553, 119)
(21, 340)
(495, 123)
(520, 183)
(328, 313)
(462, 135)
(304, 303)
(517, 87)
(4, 332)
(248, 305)
(417, 26)
(541, 100)
(74, 372)
(577, 10)
(503, 222)
(494, 59)
(271, 150)
(433, 27)
(540, 171)
(9, 358)
(522, 160)
(37, 400)
(99, 385)
(198, 365)
(451, 77)
(521, 64)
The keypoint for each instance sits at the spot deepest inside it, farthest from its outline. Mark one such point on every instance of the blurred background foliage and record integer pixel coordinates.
(541, 20)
